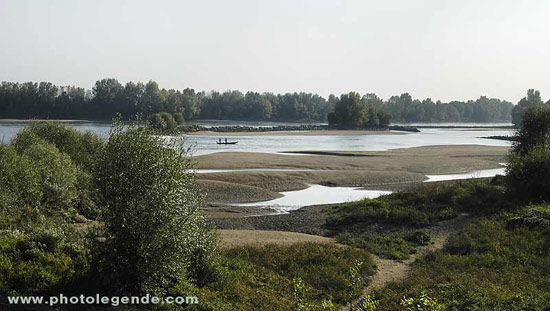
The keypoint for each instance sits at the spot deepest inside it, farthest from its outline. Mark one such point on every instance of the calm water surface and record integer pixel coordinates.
(279, 143)
(316, 194)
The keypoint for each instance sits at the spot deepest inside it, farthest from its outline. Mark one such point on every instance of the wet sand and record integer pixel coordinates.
(426, 160)
(378, 170)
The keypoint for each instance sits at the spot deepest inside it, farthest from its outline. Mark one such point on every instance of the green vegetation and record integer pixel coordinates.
(164, 121)
(528, 172)
(406, 109)
(351, 111)
(489, 265)
(155, 233)
(386, 226)
(419, 207)
(44, 176)
(149, 234)
(390, 245)
(293, 277)
(532, 99)
(109, 97)
(499, 261)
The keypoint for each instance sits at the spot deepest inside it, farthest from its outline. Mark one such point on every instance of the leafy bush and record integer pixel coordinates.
(178, 117)
(534, 131)
(529, 175)
(528, 171)
(157, 122)
(39, 260)
(18, 181)
(74, 149)
(163, 121)
(82, 148)
(534, 217)
(39, 176)
(422, 303)
(56, 172)
(155, 232)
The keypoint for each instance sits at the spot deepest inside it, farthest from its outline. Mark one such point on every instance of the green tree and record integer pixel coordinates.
(107, 96)
(350, 110)
(532, 99)
(534, 131)
(151, 101)
(57, 175)
(528, 170)
(155, 230)
(157, 122)
(83, 148)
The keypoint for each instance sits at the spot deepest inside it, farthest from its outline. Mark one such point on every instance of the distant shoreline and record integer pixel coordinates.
(291, 129)
(55, 120)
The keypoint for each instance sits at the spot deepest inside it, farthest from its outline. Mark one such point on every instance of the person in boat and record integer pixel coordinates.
(226, 140)
(220, 140)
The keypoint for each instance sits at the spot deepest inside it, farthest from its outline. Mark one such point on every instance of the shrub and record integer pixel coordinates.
(155, 232)
(18, 180)
(56, 172)
(419, 207)
(422, 303)
(534, 131)
(178, 117)
(157, 122)
(162, 121)
(528, 176)
(73, 149)
(534, 217)
(82, 148)
(529, 164)
(39, 260)
(169, 120)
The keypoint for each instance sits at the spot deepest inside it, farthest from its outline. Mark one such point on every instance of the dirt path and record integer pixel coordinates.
(397, 270)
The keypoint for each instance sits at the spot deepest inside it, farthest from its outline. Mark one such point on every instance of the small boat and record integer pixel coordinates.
(226, 142)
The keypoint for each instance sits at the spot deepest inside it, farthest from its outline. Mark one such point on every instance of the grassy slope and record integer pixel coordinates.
(261, 278)
(489, 265)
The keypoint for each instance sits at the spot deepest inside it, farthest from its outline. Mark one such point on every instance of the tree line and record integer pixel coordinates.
(404, 108)
(109, 97)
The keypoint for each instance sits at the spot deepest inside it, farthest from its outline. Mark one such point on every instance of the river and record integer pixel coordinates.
(277, 143)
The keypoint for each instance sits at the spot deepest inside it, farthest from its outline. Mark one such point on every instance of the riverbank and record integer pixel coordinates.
(193, 128)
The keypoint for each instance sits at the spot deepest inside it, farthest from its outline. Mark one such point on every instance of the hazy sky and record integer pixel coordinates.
(442, 49)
